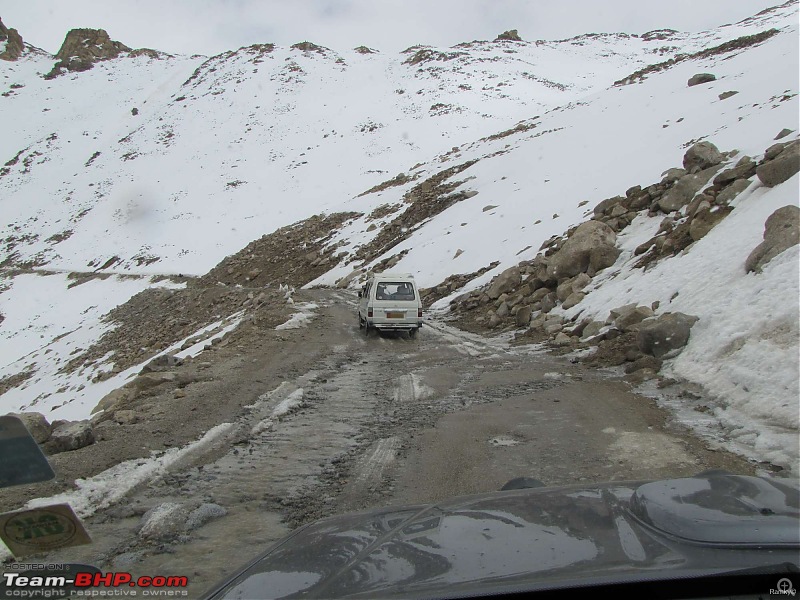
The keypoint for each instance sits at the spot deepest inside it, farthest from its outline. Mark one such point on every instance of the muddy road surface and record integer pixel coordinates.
(279, 427)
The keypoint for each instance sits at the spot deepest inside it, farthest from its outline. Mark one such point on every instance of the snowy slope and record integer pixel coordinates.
(227, 149)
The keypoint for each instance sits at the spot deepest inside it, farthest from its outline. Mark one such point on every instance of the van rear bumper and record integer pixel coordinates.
(392, 326)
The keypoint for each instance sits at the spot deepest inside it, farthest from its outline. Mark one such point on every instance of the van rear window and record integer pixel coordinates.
(395, 290)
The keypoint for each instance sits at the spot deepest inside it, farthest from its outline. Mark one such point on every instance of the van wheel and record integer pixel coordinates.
(413, 332)
(360, 322)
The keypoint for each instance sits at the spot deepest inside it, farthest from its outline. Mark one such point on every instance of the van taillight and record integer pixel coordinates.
(369, 312)
(419, 313)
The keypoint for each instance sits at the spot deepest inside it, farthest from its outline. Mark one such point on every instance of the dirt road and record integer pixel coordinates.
(309, 422)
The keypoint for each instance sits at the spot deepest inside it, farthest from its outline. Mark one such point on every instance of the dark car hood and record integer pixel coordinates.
(534, 538)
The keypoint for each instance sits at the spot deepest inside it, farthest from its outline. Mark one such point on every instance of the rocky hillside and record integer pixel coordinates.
(580, 191)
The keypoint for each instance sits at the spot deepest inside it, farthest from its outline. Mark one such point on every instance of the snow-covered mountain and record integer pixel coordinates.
(150, 164)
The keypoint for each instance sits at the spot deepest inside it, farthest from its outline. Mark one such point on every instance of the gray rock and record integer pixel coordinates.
(562, 339)
(661, 336)
(631, 317)
(744, 169)
(573, 299)
(783, 133)
(774, 150)
(705, 220)
(606, 206)
(552, 328)
(727, 195)
(572, 285)
(601, 258)
(781, 168)
(503, 310)
(672, 175)
(115, 399)
(548, 303)
(505, 282)
(576, 255)
(69, 436)
(36, 424)
(700, 156)
(781, 231)
(680, 194)
(523, 316)
(592, 329)
(701, 78)
(726, 95)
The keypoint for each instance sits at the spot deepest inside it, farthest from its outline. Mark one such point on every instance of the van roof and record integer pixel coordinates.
(390, 275)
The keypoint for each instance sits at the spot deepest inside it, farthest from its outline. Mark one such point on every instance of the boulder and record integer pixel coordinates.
(572, 285)
(592, 329)
(699, 78)
(744, 169)
(562, 339)
(629, 317)
(503, 310)
(781, 168)
(114, 398)
(783, 133)
(523, 316)
(733, 190)
(672, 175)
(548, 303)
(700, 156)
(774, 150)
(728, 94)
(781, 231)
(706, 219)
(36, 424)
(573, 299)
(662, 336)
(69, 435)
(505, 282)
(680, 194)
(591, 244)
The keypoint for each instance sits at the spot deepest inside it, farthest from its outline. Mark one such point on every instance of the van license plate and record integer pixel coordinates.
(395, 315)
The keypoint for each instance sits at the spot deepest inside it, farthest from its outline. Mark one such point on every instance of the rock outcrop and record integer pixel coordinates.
(84, 47)
(511, 36)
(701, 78)
(11, 45)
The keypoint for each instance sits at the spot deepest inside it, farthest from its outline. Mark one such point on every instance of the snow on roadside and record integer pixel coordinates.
(46, 323)
(110, 486)
(743, 350)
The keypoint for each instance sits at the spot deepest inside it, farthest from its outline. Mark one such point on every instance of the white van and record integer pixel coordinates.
(390, 301)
